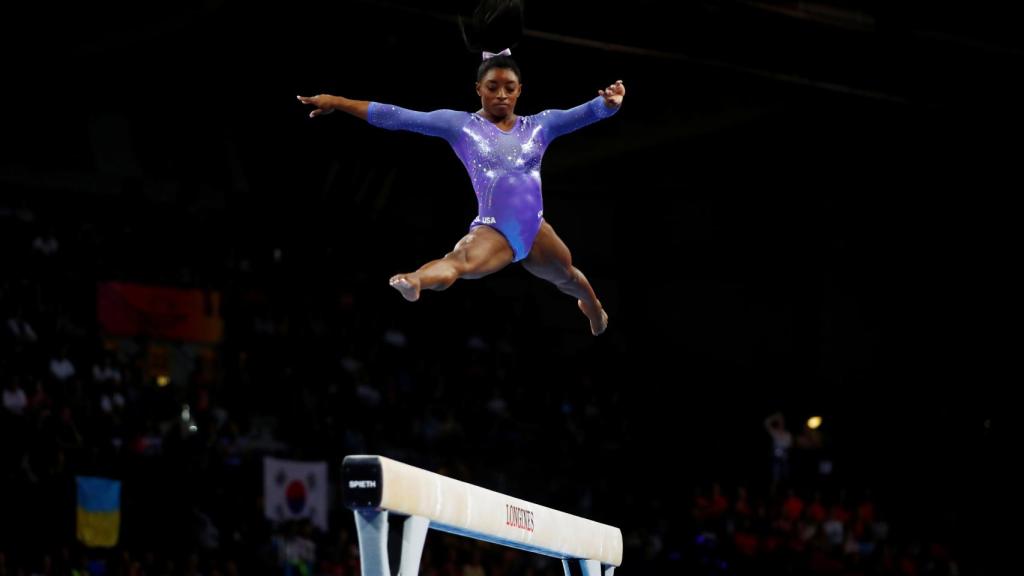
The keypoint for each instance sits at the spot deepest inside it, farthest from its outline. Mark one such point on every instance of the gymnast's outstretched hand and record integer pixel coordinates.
(327, 103)
(613, 94)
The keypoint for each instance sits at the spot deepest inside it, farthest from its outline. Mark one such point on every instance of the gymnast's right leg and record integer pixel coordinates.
(481, 252)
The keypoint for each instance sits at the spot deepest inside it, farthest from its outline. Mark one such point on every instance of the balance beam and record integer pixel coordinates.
(373, 486)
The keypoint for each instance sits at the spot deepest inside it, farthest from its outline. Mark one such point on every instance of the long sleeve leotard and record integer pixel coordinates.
(503, 166)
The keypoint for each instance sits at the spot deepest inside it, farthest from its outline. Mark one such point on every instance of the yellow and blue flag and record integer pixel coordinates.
(99, 511)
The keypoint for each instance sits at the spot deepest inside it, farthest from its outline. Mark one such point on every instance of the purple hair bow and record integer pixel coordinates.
(505, 52)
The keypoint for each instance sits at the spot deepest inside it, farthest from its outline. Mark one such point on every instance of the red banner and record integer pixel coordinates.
(159, 312)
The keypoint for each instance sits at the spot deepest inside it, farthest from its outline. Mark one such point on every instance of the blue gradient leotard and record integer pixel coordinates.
(504, 166)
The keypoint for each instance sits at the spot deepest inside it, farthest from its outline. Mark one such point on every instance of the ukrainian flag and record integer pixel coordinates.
(99, 511)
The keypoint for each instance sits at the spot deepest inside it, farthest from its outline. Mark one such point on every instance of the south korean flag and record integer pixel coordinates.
(295, 490)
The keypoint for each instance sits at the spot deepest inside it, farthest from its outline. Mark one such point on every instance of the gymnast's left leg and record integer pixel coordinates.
(551, 260)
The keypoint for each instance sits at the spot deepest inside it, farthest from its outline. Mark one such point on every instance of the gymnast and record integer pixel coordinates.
(502, 152)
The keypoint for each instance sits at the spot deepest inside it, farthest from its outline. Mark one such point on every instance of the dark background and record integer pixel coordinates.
(800, 207)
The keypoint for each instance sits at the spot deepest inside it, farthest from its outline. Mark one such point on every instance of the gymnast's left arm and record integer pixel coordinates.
(608, 102)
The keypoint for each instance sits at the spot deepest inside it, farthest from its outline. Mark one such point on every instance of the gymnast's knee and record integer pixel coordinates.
(565, 275)
(459, 262)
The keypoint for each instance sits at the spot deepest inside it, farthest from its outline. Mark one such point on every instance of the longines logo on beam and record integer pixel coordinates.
(518, 517)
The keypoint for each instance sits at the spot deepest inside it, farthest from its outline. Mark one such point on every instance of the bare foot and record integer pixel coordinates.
(597, 316)
(410, 289)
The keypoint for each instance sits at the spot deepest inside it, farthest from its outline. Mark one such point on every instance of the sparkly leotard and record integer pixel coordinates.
(504, 166)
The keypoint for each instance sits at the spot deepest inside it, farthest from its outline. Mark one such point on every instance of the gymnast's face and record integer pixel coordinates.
(499, 89)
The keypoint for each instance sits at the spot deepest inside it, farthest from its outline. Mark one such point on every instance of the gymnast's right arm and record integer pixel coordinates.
(441, 123)
(326, 103)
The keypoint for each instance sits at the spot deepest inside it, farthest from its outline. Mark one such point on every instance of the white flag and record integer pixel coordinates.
(294, 490)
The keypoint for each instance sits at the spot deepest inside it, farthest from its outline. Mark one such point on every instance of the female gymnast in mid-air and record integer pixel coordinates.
(502, 152)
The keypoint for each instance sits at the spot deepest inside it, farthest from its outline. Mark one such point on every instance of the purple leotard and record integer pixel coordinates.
(504, 166)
